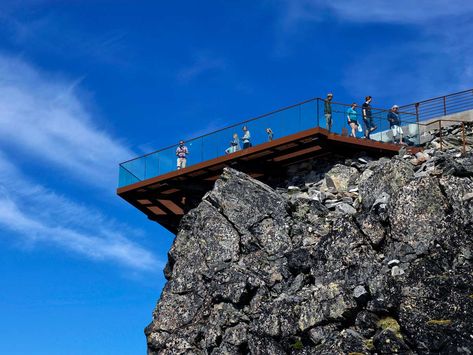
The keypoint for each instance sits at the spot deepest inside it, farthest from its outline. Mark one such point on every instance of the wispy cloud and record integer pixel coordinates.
(432, 61)
(202, 63)
(40, 30)
(43, 119)
(39, 215)
(42, 116)
(416, 12)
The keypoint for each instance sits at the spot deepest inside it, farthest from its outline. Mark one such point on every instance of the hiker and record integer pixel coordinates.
(234, 145)
(367, 117)
(328, 111)
(269, 131)
(395, 123)
(352, 119)
(181, 153)
(246, 138)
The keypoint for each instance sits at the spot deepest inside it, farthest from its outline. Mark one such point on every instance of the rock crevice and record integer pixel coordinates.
(359, 255)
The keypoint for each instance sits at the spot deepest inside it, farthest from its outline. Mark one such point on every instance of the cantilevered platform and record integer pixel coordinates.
(166, 198)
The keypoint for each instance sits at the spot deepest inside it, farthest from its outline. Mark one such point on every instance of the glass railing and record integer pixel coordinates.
(283, 122)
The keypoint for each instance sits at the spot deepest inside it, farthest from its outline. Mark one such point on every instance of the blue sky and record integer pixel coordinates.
(87, 84)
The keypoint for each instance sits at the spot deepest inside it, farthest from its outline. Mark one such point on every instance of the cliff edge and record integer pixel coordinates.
(355, 255)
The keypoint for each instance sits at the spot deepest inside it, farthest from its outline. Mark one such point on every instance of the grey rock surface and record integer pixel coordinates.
(379, 263)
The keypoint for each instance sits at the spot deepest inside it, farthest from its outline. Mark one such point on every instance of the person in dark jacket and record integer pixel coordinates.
(395, 124)
(368, 117)
(328, 111)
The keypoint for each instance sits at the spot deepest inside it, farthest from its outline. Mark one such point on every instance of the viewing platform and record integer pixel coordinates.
(152, 184)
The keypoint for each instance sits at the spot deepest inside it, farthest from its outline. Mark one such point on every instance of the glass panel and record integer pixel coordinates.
(282, 123)
(308, 115)
(135, 167)
(125, 177)
(167, 160)
(151, 165)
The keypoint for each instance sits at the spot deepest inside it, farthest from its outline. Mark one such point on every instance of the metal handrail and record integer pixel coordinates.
(441, 105)
(316, 99)
(410, 114)
(227, 127)
(440, 121)
(440, 97)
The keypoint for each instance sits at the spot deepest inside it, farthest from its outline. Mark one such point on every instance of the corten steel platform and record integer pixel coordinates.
(166, 198)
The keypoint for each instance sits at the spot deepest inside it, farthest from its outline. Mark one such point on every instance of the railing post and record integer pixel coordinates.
(463, 137)
(445, 106)
(417, 122)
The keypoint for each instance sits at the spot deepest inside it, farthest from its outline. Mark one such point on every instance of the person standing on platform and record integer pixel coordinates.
(328, 111)
(181, 153)
(352, 119)
(270, 133)
(395, 123)
(234, 145)
(246, 138)
(368, 117)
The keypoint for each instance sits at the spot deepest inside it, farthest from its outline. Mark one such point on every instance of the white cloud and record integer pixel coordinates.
(433, 60)
(203, 63)
(43, 117)
(374, 11)
(39, 215)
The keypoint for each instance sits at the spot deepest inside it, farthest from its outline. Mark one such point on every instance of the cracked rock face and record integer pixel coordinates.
(373, 259)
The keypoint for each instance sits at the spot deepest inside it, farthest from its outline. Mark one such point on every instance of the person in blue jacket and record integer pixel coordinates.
(352, 119)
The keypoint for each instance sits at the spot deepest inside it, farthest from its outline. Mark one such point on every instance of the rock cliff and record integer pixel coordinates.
(357, 256)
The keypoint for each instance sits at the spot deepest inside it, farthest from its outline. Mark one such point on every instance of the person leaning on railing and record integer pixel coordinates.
(395, 123)
(352, 119)
(234, 145)
(328, 111)
(181, 153)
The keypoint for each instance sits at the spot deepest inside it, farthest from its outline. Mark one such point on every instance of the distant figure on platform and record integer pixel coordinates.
(328, 111)
(181, 153)
(352, 119)
(234, 145)
(270, 133)
(395, 124)
(246, 138)
(367, 117)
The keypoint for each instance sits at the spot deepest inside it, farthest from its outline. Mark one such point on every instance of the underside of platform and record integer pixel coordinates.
(166, 198)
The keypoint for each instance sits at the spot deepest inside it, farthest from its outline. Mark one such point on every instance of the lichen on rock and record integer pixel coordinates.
(288, 268)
